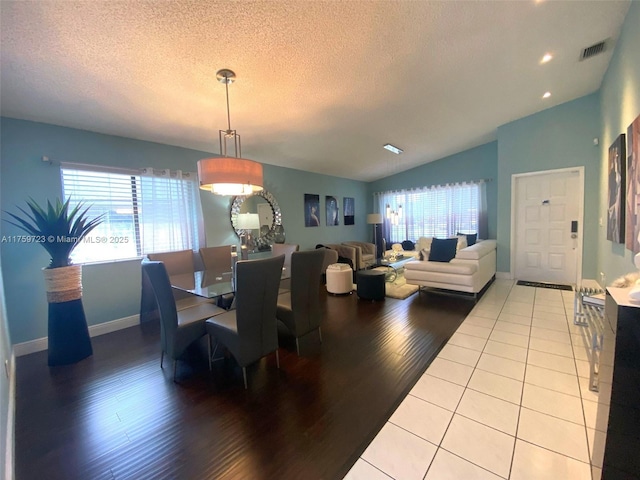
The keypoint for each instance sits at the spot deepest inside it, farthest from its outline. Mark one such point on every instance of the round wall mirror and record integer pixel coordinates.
(268, 229)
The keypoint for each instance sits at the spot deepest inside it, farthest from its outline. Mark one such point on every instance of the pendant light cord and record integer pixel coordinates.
(226, 85)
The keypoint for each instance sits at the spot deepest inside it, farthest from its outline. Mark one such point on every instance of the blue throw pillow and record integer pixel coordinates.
(472, 238)
(408, 245)
(443, 249)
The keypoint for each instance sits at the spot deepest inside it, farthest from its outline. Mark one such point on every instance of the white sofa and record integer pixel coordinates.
(471, 269)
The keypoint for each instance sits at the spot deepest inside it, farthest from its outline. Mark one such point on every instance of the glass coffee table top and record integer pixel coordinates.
(394, 266)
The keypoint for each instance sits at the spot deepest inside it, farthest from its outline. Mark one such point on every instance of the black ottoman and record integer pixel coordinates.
(370, 284)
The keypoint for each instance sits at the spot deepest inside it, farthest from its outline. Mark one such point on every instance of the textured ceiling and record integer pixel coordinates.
(321, 85)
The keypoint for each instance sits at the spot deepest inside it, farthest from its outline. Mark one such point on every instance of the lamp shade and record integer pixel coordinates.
(374, 218)
(248, 221)
(230, 175)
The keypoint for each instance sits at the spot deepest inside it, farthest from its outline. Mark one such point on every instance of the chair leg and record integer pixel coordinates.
(175, 364)
(320, 334)
(212, 353)
(244, 376)
(297, 347)
(278, 357)
(161, 358)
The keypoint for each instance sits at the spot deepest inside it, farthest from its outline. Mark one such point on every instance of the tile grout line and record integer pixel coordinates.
(515, 441)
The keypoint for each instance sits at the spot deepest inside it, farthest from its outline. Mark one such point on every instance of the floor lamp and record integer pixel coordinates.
(375, 219)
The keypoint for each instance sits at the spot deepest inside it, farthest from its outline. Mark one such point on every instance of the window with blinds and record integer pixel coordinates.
(440, 211)
(143, 213)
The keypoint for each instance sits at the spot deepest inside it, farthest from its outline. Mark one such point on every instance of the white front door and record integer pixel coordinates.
(548, 226)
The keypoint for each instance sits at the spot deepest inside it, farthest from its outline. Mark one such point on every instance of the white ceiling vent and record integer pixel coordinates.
(593, 50)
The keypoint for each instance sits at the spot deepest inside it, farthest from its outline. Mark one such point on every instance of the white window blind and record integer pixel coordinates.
(439, 211)
(144, 212)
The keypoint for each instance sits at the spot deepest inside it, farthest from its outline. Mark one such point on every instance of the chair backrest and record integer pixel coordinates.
(217, 258)
(306, 268)
(175, 262)
(330, 257)
(161, 286)
(285, 249)
(257, 285)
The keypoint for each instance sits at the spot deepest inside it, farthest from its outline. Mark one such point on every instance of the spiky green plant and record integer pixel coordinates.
(58, 230)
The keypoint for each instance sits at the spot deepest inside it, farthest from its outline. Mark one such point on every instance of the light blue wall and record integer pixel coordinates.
(5, 354)
(473, 164)
(619, 105)
(555, 138)
(112, 290)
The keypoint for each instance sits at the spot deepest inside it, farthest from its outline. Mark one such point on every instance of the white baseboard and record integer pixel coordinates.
(40, 344)
(11, 415)
(504, 275)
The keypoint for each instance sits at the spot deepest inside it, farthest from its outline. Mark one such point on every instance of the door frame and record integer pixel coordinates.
(514, 196)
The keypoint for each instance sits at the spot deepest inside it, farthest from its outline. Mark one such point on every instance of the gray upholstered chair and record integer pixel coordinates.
(285, 249)
(178, 329)
(250, 331)
(217, 258)
(176, 263)
(299, 309)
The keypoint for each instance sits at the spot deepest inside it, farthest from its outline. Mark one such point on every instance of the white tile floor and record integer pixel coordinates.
(507, 397)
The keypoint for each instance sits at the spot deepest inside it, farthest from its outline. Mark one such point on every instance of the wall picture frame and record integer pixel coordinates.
(617, 186)
(333, 211)
(311, 210)
(632, 211)
(349, 210)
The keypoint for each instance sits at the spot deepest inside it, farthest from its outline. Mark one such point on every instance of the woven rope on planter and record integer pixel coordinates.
(63, 284)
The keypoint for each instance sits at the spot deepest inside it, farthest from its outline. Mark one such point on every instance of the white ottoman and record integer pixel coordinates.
(339, 278)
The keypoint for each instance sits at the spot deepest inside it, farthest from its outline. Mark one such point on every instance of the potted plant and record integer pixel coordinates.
(60, 231)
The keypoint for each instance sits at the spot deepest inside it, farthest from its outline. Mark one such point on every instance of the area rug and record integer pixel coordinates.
(556, 286)
(399, 287)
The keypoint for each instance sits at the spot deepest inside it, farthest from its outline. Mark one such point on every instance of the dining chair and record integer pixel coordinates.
(249, 332)
(285, 249)
(176, 263)
(217, 258)
(299, 309)
(178, 329)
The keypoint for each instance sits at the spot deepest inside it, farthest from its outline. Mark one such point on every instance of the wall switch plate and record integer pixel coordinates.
(600, 221)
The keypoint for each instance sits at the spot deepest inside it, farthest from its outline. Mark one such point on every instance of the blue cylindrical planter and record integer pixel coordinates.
(69, 340)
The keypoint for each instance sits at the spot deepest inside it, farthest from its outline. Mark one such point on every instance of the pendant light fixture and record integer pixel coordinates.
(229, 175)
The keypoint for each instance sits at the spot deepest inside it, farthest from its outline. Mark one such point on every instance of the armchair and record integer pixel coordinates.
(365, 253)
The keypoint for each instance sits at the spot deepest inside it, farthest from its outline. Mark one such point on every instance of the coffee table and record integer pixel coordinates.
(394, 267)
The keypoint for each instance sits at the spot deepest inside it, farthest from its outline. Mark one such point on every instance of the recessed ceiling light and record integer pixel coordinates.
(546, 95)
(546, 58)
(393, 149)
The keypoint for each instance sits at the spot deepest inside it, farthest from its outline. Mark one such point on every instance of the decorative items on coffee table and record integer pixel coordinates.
(60, 231)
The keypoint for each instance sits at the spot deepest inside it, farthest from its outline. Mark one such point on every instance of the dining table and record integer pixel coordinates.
(216, 283)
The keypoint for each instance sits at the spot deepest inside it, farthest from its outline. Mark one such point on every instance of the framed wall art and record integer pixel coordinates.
(311, 210)
(333, 211)
(632, 212)
(617, 187)
(349, 210)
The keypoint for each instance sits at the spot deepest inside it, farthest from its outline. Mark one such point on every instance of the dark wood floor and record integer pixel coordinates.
(117, 415)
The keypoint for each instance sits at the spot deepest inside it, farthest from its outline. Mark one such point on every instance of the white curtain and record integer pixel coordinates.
(169, 207)
(439, 211)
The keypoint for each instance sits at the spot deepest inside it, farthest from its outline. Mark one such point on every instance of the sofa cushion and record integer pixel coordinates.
(443, 249)
(408, 245)
(442, 267)
(472, 238)
(477, 251)
(462, 242)
(424, 243)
